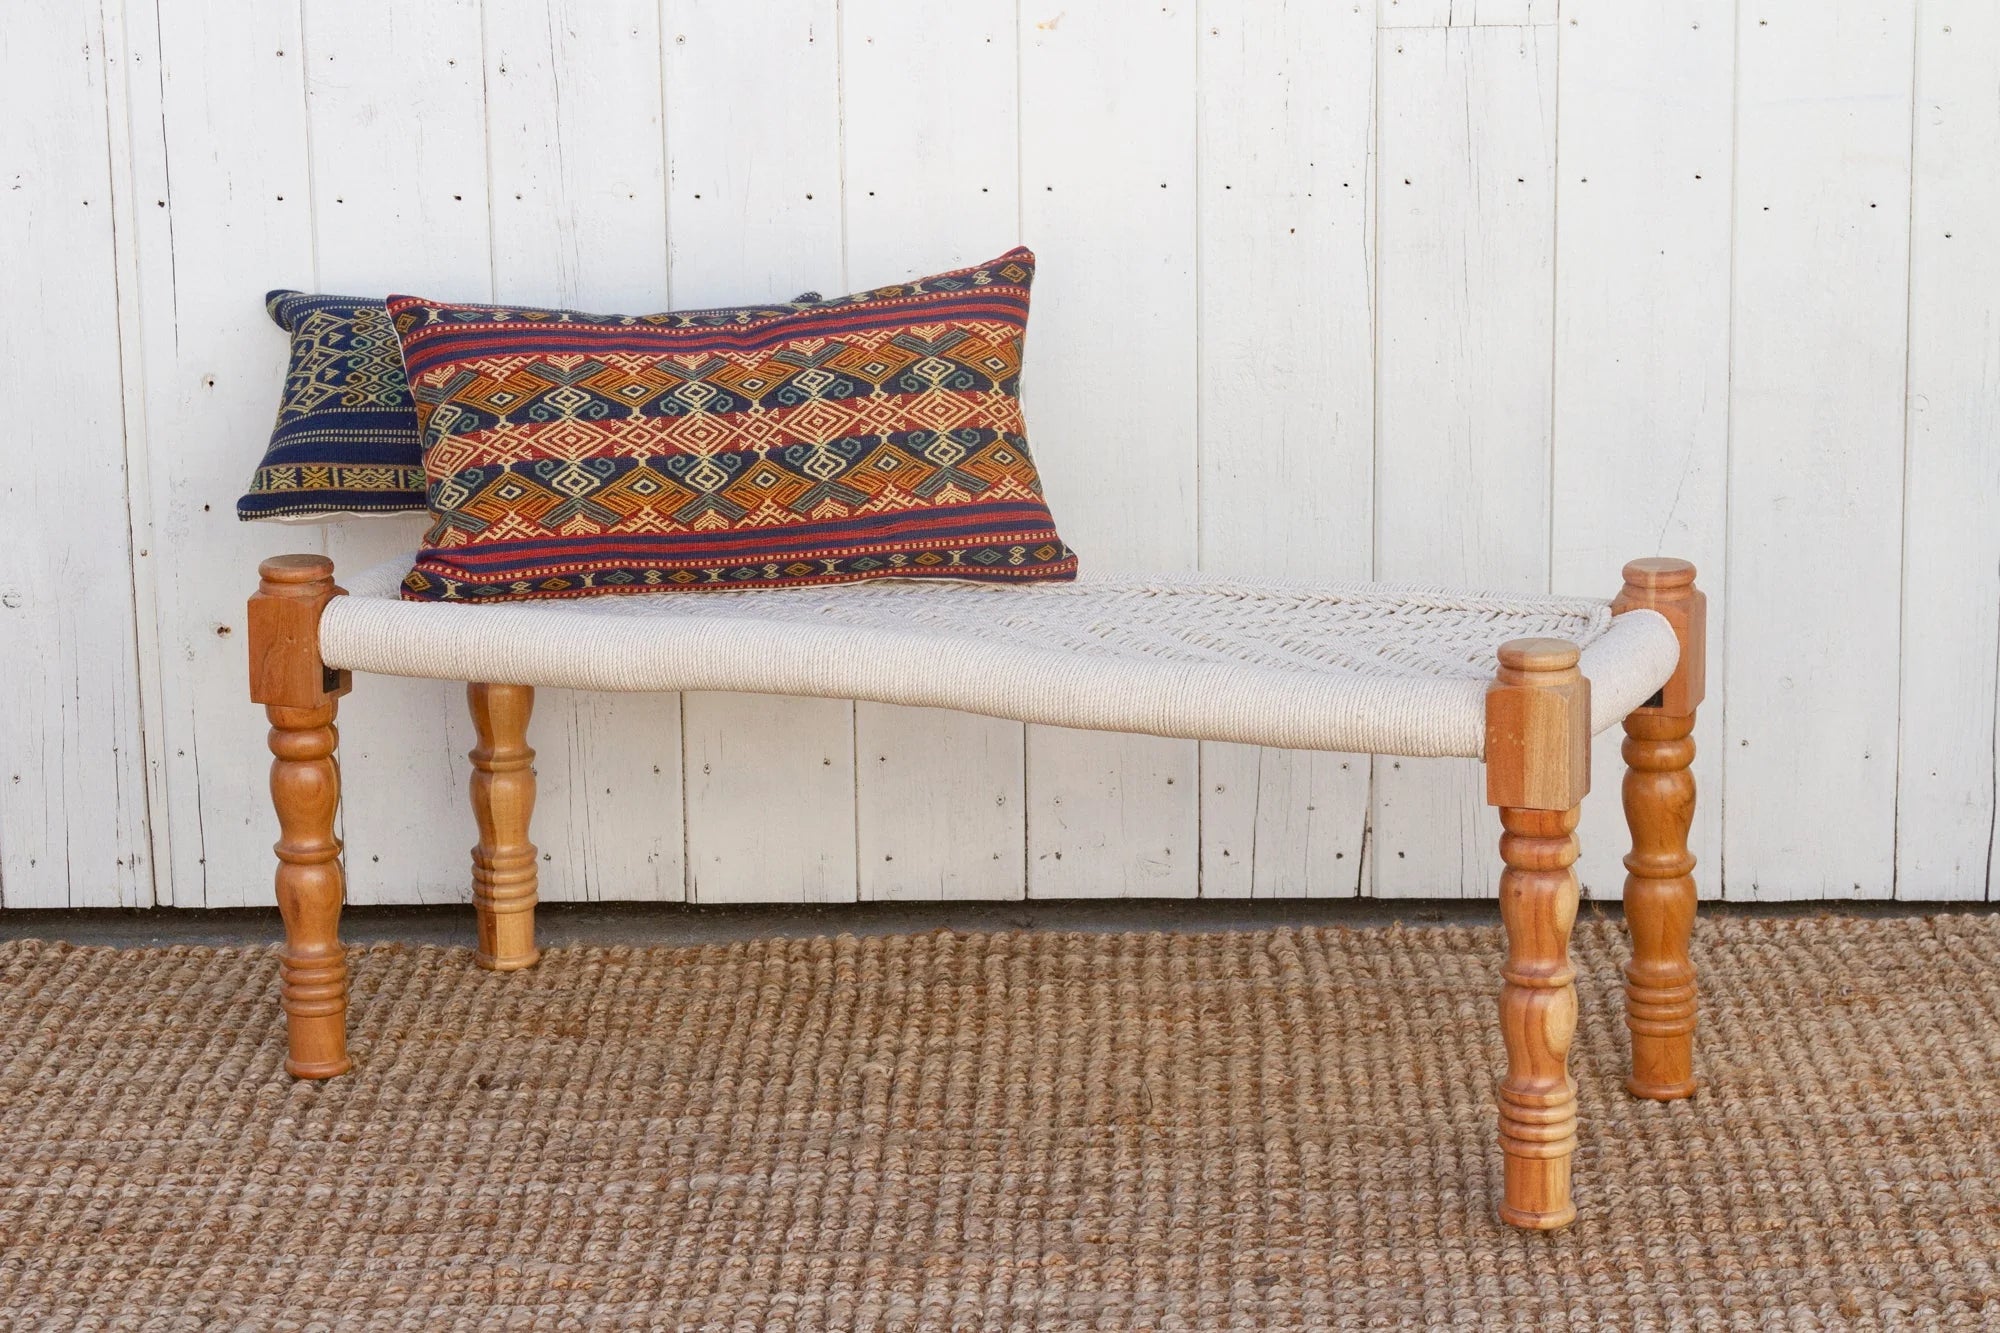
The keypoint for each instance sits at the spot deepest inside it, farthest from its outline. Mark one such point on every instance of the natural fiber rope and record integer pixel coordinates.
(1268, 1131)
(1369, 668)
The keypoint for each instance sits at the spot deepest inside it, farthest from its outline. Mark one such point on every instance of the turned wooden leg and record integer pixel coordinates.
(299, 694)
(305, 787)
(1659, 905)
(1538, 895)
(503, 800)
(1659, 808)
(1537, 773)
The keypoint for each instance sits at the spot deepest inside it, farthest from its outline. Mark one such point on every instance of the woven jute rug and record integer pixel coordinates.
(1288, 1129)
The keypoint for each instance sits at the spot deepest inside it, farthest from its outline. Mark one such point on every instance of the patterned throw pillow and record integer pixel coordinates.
(346, 438)
(875, 435)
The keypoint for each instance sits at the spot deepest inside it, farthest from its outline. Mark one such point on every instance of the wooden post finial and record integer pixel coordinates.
(286, 570)
(1538, 727)
(1530, 659)
(286, 669)
(1666, 585)
(1659, 572)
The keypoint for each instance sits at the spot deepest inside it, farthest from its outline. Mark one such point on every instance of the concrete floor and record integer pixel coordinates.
(559, 924)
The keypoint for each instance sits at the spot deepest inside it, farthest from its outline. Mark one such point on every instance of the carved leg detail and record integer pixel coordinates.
(300, 695)
(1659, 807)
(305, 788)
(1660, 905)
(1537, 773)
(1538, 895)
(504, 878)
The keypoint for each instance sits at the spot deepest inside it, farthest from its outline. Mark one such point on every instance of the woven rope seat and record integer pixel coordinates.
(1397, 669)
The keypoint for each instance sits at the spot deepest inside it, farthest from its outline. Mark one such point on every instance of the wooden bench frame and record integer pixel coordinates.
(1537, 774)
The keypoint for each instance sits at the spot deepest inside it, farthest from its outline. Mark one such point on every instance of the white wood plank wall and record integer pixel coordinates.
(1490, 291)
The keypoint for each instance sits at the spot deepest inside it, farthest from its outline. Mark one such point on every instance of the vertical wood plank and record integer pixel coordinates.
(768, 819)
(397, 126)
(939, 809)
(1641, 370)
(754, 207)
(136, 144)
(939, 803)
(1951, 539)
(1282, 823)
(1465, 231)
(226, 195)
(579, 220)
(1109, 204)
(1821, 302)
(1286, 390)
(73, 796)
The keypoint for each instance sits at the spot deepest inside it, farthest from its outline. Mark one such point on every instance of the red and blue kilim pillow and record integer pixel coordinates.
(874, 435)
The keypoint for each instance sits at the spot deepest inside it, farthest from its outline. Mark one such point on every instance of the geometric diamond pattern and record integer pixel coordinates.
(877, 434)
(346, 434)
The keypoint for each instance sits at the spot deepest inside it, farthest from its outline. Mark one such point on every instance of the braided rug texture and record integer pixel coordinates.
(1271, 1131)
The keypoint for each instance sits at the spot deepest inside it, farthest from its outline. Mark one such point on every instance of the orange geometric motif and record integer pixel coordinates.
(821, 442)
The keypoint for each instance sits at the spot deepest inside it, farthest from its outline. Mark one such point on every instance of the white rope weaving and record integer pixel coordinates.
(1367, 668)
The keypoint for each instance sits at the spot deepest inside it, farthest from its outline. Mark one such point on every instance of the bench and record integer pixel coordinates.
(1521, 682)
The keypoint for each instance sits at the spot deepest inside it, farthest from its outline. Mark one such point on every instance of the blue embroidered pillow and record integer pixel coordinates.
(346, 437)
